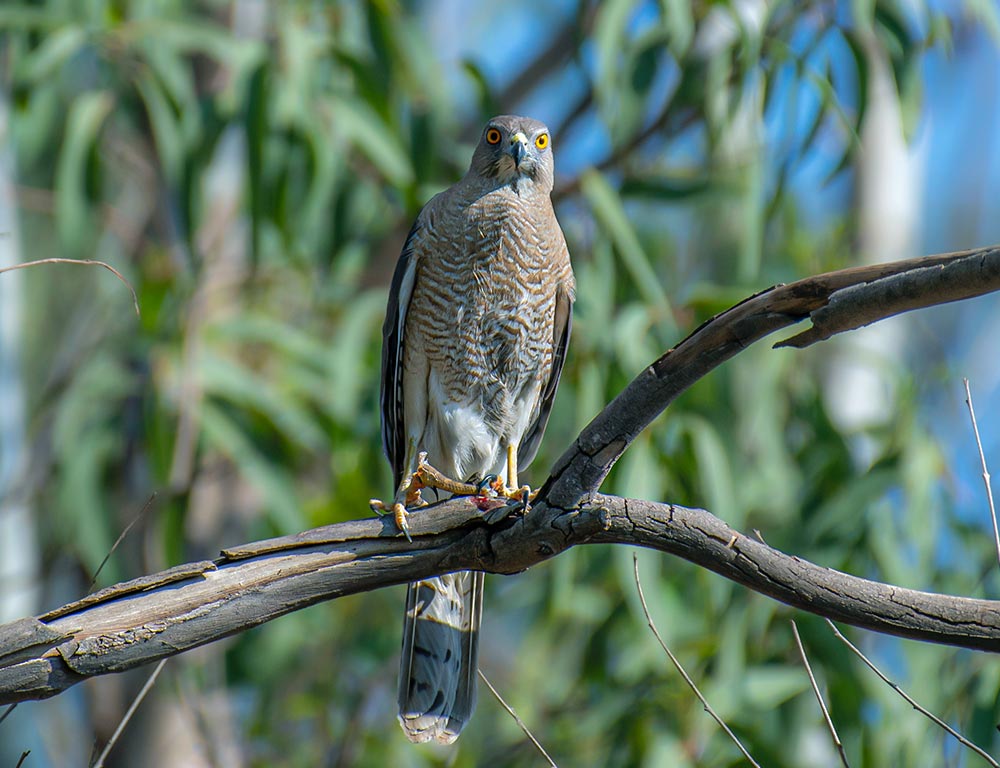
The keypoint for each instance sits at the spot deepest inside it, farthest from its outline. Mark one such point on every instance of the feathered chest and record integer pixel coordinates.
(503, 248)
(486, 296)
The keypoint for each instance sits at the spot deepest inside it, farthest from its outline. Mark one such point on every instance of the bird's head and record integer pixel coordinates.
(517, 151)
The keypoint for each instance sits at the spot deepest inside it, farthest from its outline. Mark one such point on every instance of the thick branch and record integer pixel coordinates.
(156, 616)
(130, 624)
(702, 538)
(831, 300)
(137, 622)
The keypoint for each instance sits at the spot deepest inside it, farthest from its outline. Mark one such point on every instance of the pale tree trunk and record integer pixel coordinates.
(860, 386)
(18, 548)
(19, 557)
(741, 145)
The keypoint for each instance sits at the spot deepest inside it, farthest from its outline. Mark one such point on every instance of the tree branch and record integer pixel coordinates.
(156, 616)
(831, 301)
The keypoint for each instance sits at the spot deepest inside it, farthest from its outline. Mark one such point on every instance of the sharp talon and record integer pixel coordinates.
(519, 501)
(400, 514)
(378, 507)
(525, 498)
(486, 482)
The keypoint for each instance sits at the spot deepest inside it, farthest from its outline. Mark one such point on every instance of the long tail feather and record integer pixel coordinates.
(437, 674)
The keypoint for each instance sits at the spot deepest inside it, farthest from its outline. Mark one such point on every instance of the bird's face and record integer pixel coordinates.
(517, 151)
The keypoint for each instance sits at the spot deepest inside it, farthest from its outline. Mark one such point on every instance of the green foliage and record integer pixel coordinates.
(254, 173)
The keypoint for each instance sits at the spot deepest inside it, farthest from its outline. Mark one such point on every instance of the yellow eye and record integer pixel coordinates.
(542, 141)
(493, 136)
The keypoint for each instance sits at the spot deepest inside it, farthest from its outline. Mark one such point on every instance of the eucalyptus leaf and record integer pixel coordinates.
(226, 380)
(365, 131)
(609, 211)
(73, 206)
(224, 435)
(54, 52)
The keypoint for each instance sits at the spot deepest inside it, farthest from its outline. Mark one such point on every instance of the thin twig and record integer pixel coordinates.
(909, 700)
(986, 473)
(121, 537)
(7, 711)
(677, 665)
(89, 262)
(24, 756)
(99, 763)
(518, 720)
(819, 697)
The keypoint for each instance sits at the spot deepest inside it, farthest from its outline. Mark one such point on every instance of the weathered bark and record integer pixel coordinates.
(140, 621)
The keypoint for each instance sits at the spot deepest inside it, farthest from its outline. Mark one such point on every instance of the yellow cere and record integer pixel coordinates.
(542, 141)
(493, 136)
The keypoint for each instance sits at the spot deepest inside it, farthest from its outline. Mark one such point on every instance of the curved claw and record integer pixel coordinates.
(486, 482)
(400, 514)
(525, 499)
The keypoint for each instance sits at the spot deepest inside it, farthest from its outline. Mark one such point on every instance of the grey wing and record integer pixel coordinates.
(562, 325)
(391, 396)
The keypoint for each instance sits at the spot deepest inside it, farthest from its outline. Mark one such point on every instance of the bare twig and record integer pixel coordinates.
(7, 711)
(909, 699)
(518, 720)
(680, 669)
(986, 472)
(89, 262)
(99, 763)
(819, 697)
(121, 537)
(24, 756)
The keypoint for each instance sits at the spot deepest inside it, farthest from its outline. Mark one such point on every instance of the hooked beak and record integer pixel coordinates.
(518, 148)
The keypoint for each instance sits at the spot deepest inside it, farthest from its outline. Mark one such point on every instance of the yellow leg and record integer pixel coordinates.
(521, 494)
(418, 475)
(512, 466)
